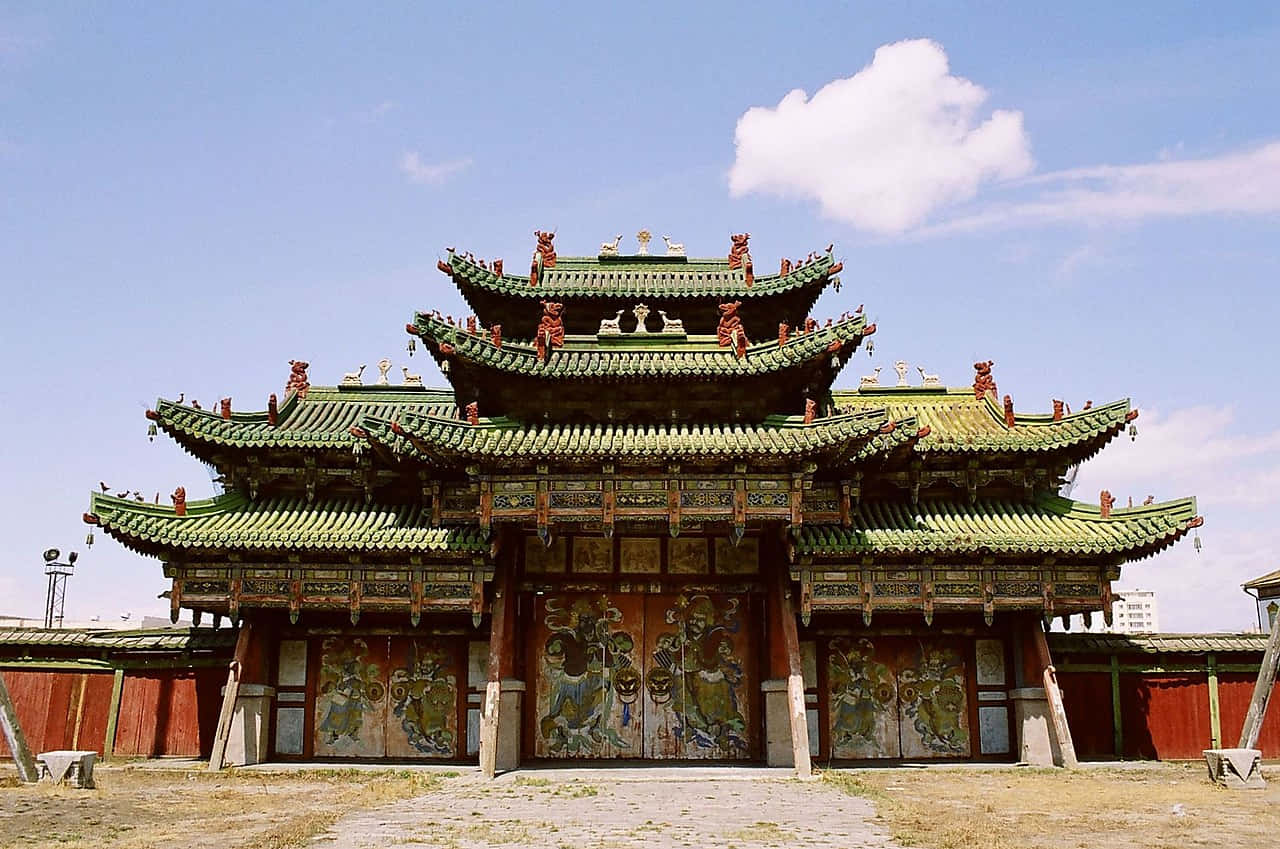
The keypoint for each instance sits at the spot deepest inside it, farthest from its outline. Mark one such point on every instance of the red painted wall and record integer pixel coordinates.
(1087, 699)
(1235, 690)
(47, 702)
(168, 712)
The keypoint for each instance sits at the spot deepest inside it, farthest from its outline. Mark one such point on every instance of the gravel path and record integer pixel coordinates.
(618, 808)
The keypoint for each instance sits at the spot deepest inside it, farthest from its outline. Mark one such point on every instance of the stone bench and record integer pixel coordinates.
(1238, 769)
(74, 767)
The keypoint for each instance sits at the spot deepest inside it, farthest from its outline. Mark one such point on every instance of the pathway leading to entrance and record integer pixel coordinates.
(618, 809)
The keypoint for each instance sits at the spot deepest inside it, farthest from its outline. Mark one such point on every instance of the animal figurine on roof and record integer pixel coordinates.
(611, 326)
(673, 248)
(611, 248)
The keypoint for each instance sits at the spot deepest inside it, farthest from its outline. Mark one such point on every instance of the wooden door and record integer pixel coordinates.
(586, 650)
(422, 698)
(387, 697)
(351, 694)
(898, 697)
(700, 677)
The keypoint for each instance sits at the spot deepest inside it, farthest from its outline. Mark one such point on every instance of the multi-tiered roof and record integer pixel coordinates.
(634, 393)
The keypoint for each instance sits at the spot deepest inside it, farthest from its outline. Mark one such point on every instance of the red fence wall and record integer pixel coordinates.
(162, 712)
(48, 705)
(1163, 715)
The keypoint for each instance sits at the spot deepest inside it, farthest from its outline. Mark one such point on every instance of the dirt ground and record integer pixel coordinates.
(1159, 805)
(1156, 806)
(140, 809)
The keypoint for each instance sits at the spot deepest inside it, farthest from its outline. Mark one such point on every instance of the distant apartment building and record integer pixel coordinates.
(1133, 612)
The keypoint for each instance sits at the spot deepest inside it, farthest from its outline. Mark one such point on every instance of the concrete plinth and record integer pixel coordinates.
(1236, 769)
(509, 705)
(777, 724)
(1036, 742)
(247, 742)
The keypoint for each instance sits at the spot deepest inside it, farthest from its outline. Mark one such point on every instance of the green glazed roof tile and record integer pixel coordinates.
(656, 276)
(959, 422)
(1156, 643)
(232, 521)
(151, 639)
(322, 420)
(1048, 525)
(448, 440)
(636, 356)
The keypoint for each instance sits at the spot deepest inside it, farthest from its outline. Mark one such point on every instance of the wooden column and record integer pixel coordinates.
(229, 694)
(1261, 692)
(1057, 712)
(795, 673)
(1117, 721)
(14, 737)
(501, 660)
(113, 714)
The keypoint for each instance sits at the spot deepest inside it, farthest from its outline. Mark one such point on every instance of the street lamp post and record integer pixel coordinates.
(57, 573)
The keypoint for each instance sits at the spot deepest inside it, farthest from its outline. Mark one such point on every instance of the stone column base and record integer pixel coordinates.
(1037, 745)
(1236, 769)
(509, 722)
(247, 742)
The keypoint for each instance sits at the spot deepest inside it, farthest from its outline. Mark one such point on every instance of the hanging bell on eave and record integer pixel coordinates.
(151, 432)
(412, 346)
(88, 540)
(1133, 433)
(1195, 541)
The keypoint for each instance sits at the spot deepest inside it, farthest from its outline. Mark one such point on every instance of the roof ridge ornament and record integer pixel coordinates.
(983, 382)
(353, 378)
(674, 248)
(643, 238)
(611, 248)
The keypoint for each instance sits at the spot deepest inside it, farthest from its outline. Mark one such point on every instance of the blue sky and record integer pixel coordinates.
(1085, 193)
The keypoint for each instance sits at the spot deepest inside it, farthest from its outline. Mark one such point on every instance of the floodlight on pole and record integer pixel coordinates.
(57, 573)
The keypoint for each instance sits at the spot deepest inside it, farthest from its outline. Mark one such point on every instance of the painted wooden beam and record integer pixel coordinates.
(795, 676)
(229, 695)
(14, 737)
(499, 637)
(1057, 711)
(1261, 693)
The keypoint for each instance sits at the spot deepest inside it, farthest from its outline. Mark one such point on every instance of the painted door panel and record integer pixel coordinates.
(587, 656)
(699, 677)
(634, 676)
(898, 697)
(350, 712)
(391, 697)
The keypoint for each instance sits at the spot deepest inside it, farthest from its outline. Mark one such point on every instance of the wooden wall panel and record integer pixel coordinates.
(1235, 689)
(48, 702)
(1087, 699)
(159, 715)
(1165, 716)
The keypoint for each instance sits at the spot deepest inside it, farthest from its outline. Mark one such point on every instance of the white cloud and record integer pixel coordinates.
(1242, 182)
(882, 149)
(1235, 475)
(431, 173)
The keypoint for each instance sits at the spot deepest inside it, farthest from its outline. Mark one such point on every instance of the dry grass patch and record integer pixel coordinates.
(140, 809)
(1163, 805)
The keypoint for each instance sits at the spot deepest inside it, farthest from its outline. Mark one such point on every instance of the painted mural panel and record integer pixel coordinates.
(933, 710)
(589, 676)
(864, 701)
(699, 677)
(898, 698)
(350, 718)
(423, 699)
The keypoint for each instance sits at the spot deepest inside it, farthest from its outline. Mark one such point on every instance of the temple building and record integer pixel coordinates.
(641, 524)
